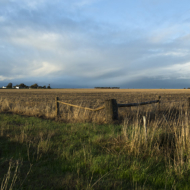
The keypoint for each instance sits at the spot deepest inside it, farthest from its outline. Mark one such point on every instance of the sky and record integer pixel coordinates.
(93, 43)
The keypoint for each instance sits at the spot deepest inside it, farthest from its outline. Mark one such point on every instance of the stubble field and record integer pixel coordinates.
(41, 103)
(80, 151)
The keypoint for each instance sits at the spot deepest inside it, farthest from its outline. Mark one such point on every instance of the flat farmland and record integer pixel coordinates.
(83, 152)
(41, 102)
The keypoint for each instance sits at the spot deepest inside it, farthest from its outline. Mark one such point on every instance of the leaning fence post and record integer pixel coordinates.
(56, 106)
(111, 109)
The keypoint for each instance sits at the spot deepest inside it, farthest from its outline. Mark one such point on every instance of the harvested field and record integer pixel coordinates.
(89, 156)
(41, 102)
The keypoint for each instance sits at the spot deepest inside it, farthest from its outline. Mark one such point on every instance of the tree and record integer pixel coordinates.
(22, 85)
(10, 85)
(48, 86)
(34, 85)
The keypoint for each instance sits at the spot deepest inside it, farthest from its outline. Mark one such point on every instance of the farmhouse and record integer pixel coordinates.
(4, 87)
(19, 87)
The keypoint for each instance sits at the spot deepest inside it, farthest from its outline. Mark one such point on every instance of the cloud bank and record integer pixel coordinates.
(87, 43)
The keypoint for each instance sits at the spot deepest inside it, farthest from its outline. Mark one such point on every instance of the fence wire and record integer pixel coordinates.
(97, 109)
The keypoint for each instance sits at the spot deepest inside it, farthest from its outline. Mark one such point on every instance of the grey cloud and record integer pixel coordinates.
(85, 51)
(73, 82)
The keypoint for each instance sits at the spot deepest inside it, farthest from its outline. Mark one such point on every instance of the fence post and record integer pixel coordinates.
(56, 106)
(145, 128)
(159, 98)
(187, 111)
(188, 104)
(111, 109)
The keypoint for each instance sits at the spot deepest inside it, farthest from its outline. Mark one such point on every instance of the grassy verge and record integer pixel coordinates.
(43, 154)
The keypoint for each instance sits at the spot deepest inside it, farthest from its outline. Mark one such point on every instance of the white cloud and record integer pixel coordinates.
(2, 19)
(177, 53)
(2, 78)
(81, 3)
(27, 4)
(34, 3)
(35, 39)
(169, 32)
(161, 36)
(44, 69)
(174, 71)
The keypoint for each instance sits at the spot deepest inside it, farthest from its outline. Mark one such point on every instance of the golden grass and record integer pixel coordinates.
(41, 102)
(167, 132)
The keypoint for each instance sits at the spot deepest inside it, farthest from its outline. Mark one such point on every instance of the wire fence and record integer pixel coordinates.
(111, 107)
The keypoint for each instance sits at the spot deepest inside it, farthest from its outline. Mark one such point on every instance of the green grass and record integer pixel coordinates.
(54, 155)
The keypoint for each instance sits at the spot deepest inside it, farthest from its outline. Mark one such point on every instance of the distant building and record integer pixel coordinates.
(4, 87)
(19, 87)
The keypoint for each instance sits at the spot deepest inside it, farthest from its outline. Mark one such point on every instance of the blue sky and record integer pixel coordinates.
(88, 43)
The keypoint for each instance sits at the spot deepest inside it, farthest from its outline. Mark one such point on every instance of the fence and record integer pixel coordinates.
(57, 106)
(111, 107)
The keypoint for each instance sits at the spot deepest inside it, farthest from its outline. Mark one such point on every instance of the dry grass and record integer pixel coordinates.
(10, 176)
(41, 102)
(162, 146)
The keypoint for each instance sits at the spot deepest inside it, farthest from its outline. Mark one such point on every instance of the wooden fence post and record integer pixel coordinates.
(111, 109)
(188, 104)
(145, 128)
(56, 106)
(159, 98)
(187, 112)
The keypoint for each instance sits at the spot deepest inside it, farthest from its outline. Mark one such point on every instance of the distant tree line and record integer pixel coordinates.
(107, 87)
(22, 85)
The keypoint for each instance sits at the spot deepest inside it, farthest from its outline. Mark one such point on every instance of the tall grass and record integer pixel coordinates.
(46, 109)
(67, 113)
(91, 156)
